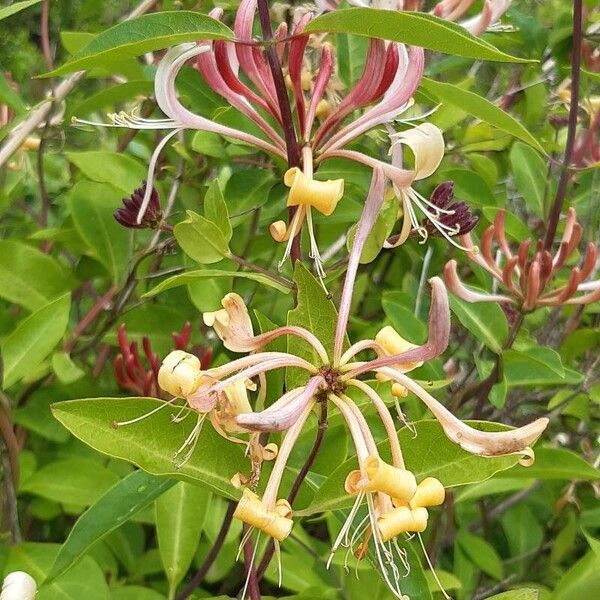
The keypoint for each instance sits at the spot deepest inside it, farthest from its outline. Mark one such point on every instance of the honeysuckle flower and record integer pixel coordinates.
(18, 585)
(452, 10)
(241, 74)
(397, 503)
(426, 143)
(385, 488)
(530, 281)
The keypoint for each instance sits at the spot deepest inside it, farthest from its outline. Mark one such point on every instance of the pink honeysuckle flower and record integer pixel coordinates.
(397, 503)
(528, 280)
(452, 10)
(241, 74)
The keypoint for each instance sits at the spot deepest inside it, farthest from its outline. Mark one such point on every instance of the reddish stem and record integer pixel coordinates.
(565, 175)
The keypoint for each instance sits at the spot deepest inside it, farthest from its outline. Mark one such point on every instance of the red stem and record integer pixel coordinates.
(572, 126)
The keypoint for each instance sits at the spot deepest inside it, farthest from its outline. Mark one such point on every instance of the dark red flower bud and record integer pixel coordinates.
(455, 216)
(127, 215)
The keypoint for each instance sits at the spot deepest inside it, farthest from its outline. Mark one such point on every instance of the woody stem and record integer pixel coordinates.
(291, 141)
(572, 125)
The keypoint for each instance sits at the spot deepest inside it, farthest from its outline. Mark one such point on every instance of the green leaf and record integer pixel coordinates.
(194, 276)
(486, 321)
(449, 463)
(522, 594)
(74, 481)
(536, 366)
(216, 211)
(65, 369)
(582, 580)
(92, 206)
(111, 96)
(481, 108)
(529, 170)
(135, 592)
(119, 504)
(556, 463)
(145, 34)
(28, 277)
(85, 580)
(16, 7)
(414, 28)
(314, 311)
(33, 339)
(201, 239)
(119, 170)
(151, 443)
(480, 553)
(180, 515)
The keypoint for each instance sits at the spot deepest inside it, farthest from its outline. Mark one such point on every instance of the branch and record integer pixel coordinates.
(572, 126)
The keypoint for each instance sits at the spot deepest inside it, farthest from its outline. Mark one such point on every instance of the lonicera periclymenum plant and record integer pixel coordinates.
(222, 233)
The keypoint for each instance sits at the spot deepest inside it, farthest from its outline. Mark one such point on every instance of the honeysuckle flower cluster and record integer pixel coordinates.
(530, 280)
(324, 118)
(397, 504)
(451, 10)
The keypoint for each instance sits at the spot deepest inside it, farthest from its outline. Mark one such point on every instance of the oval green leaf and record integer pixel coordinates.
(120, 503)
(417, 29)
(195, 276)
(151, 443)
(33, 339)
(145, 34)
(481, 108)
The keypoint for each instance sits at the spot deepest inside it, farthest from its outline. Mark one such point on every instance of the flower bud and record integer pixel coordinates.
(323, 110)
(399, 391)
(430, 492)
(322, 195)
(382, 477)
(18, 585)
(278, 231)
(253, 512)
(180, 373)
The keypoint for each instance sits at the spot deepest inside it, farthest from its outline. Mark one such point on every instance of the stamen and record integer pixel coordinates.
(293, 230)
(117, 424)
(177, 418)
(408, 424)
(190, 441)
(314, 250)
(250, 567)
(435, 576)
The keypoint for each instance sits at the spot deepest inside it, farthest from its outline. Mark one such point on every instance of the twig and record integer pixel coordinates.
(211, 556)
(308, 463)
(45, 36)
(89, 318)
(9, 451)
(572, 126)
(254, 267)
(291, 141)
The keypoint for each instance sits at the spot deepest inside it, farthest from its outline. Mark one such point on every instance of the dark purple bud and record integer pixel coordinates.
(128, 213)
(455, 217)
